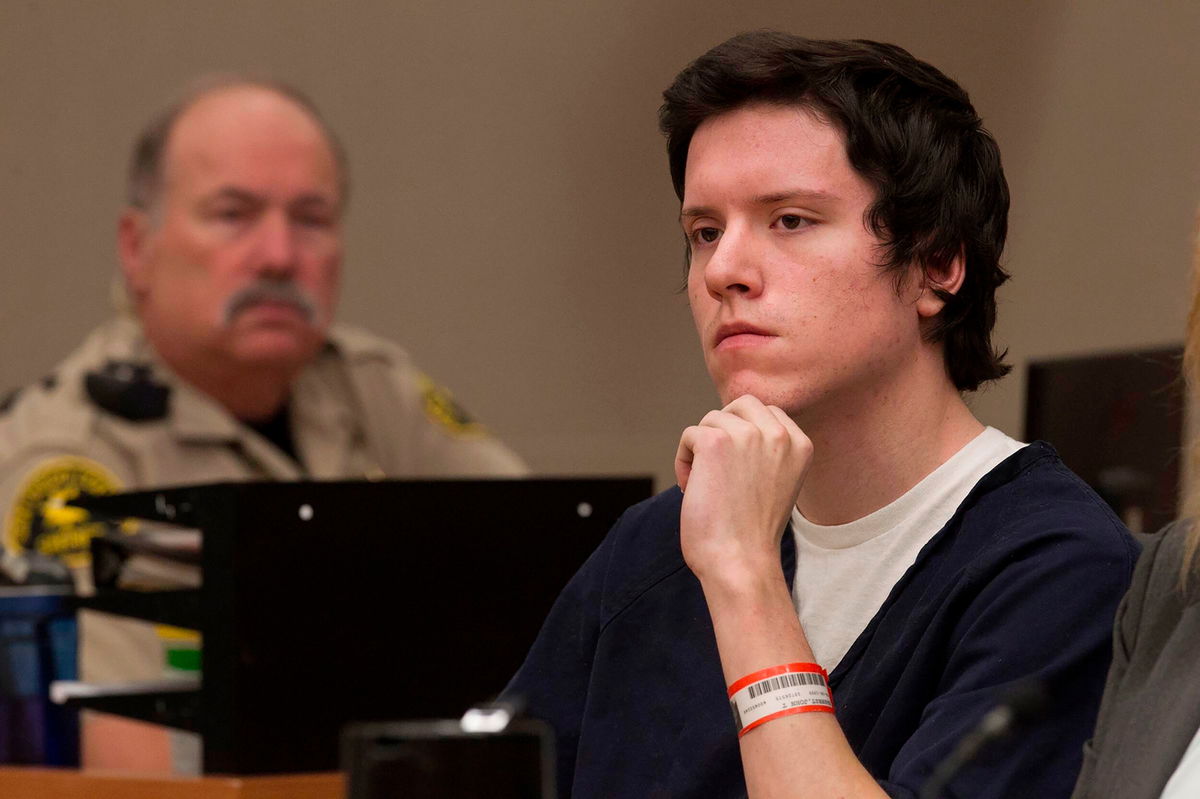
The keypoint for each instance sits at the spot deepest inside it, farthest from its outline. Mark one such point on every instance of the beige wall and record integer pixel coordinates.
(512, 222)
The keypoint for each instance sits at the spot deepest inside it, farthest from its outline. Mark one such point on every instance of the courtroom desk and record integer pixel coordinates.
(17, 782)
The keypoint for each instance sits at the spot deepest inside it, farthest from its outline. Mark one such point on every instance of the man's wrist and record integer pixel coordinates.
(754, 606)
(744, 582)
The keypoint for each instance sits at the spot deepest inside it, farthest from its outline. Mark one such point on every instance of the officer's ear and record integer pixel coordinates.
(133, 245)
(938, 283)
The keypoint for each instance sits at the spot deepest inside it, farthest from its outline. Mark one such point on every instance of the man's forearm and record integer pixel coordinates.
(800, 756)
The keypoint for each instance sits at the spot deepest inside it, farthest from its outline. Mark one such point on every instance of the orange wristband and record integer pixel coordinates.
(779, 691)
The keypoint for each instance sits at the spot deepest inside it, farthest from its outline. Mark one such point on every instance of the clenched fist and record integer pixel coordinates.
(740, 469)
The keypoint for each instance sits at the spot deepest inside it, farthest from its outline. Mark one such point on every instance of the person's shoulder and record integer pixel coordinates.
(56, 442)
(374, 361)
(1036, 473)
(1169, 546)
(102, 377)
(653, 517)
(643, 548)
(1032, 499)
(51, 409)
(357, 346)
(1168, 570)
(50, 455)
(418, 422)
(53, 425)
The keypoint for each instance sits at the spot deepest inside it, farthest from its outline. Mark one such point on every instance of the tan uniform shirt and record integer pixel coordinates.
(361, 409)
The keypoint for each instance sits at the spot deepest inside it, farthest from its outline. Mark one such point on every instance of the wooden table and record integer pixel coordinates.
(43, 783)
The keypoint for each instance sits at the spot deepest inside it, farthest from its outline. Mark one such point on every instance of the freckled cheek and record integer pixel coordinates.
(851, 293)
(701, 306)
(831, 298)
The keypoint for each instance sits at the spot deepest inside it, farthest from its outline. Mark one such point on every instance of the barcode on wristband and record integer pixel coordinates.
(778, 695)
(789, 680)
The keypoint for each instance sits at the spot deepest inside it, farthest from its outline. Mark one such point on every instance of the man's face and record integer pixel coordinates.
(784, 283)
(239, 261)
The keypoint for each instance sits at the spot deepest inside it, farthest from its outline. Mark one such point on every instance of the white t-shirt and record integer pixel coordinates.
(1185, 782)
(844, 572)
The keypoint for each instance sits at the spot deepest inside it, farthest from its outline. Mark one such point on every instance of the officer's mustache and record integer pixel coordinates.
(270, 290)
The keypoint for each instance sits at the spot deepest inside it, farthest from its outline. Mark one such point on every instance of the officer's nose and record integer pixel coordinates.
(276, 251)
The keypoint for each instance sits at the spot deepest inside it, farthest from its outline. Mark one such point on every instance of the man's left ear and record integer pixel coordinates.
(938, 282)
(133, 234)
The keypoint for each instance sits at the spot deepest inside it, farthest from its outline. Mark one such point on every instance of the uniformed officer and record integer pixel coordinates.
(227, 368)
(226, 365)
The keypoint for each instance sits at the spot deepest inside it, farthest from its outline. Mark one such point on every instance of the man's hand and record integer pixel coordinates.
(740, 469)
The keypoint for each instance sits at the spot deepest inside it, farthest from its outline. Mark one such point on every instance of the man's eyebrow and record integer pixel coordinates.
(697, 210)
(248, 196)
(775, 197)
(234, 193)
(804, 195)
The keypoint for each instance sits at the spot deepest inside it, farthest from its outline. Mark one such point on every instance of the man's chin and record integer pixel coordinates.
(731, 386)
(768, 392)
(278, 347)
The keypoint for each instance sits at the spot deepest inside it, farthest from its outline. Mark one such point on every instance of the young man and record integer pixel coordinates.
(844, 513)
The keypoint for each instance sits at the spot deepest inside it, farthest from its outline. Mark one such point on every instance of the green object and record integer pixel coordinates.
(183, 659)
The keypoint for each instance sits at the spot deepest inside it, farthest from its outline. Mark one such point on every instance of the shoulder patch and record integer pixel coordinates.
(128, 390)
(443, 411)
(40, 518)
(9, 400)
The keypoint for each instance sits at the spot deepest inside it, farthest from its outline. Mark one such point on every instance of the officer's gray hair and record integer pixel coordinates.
(147, 163)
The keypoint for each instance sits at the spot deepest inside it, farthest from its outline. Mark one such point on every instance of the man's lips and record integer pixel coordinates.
(738, 334)
(274, 311)
(269, 304)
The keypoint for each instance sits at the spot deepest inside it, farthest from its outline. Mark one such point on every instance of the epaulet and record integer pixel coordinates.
(356, 344)
(48, 383)
(9, 400)
(128, 390)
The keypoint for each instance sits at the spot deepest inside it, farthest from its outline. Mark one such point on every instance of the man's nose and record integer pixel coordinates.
(735, 266)
(276, 248)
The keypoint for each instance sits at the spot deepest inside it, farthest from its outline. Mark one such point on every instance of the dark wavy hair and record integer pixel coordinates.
(910, 131)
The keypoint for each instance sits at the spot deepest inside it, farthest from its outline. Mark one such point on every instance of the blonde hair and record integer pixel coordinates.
(1191, 374)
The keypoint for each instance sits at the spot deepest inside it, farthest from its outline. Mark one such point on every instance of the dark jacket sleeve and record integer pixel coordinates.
(1040, 609)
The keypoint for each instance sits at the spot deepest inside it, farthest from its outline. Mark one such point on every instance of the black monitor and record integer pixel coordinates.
(440, 760)
(324, 603)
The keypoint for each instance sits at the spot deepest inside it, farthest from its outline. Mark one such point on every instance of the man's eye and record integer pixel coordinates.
(313, 220)
(792, 221)
(706, 235)
(230, 214)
